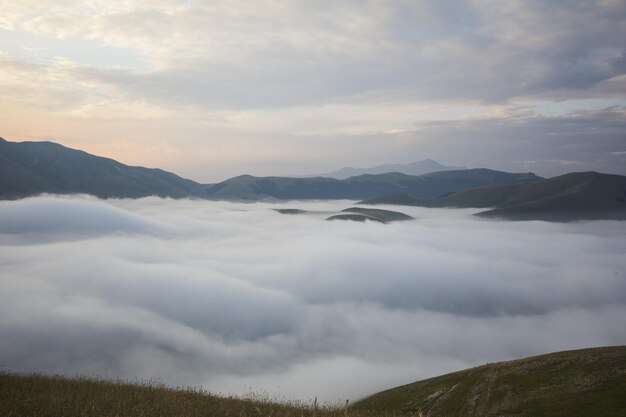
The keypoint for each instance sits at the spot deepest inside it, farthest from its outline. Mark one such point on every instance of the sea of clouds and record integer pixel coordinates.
(239, 298)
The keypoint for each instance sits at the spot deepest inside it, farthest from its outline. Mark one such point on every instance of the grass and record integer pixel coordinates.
(579, 383)
(56, 396)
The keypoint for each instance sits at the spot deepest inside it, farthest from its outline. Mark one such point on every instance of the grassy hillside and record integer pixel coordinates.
(579, 383)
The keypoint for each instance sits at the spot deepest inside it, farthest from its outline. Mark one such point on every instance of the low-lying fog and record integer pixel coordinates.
(239, 298)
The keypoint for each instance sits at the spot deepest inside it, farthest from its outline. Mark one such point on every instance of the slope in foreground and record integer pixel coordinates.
(578, 383)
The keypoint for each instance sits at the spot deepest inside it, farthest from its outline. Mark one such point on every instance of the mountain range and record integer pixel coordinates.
(31, 168)
(247, 187)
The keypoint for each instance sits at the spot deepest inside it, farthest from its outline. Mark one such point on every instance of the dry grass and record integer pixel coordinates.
(580, 383)
(51, 396)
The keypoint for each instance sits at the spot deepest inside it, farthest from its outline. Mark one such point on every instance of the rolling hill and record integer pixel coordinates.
(578, 383)
(376, 215)
(574, 196)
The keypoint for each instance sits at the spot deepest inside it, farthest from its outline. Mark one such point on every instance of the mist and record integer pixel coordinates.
(238, 298)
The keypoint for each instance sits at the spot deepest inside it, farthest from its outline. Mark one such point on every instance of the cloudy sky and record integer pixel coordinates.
(238, 298)
(214, 89)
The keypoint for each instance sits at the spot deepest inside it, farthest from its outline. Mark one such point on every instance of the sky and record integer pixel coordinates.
(210, 90)
(237, 298)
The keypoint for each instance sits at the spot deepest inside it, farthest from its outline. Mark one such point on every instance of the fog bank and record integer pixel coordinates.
(237, 297)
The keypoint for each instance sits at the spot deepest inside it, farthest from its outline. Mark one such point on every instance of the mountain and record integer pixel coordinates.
(415, 168)
(578, 383)
(574, 196)
(425, 186)
(30, 168)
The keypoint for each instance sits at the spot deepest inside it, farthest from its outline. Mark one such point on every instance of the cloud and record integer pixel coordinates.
(233, 55)
(513, 139)
(237, 297)
(584, 140)
(294, 88)
(51, 217)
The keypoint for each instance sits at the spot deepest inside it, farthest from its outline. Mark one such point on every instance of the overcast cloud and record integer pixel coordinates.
(236, 297)
(214, 90)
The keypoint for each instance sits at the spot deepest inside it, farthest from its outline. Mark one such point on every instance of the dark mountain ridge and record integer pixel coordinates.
(425, 186)
(31, 168)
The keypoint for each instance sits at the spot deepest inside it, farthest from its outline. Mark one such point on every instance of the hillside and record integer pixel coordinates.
(574, 196)
(30, 168)
(579, 383)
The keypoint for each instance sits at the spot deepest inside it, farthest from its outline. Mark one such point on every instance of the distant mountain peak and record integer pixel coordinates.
(424, 166)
